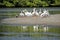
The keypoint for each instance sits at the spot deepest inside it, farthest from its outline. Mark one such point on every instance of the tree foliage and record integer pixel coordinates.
(29, 3)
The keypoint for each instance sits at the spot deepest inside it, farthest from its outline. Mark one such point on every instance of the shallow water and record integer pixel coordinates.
(29, 9)
(30, 38)
(31, 35)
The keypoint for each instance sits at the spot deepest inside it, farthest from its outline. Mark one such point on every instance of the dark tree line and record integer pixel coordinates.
(29, 3)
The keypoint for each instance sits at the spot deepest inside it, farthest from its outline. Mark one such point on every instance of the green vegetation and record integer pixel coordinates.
(29, 3)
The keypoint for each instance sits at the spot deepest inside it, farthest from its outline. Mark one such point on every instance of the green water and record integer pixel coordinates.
(8, 32)
(8, 28)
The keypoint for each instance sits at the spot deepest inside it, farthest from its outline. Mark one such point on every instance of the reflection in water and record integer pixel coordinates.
(35, 32)
(24, 27)
(45, 29)
(35, 28)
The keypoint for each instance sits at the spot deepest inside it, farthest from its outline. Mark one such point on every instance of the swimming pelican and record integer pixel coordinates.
(45, 13)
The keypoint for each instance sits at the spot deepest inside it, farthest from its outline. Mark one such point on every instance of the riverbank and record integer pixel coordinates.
(51, 20)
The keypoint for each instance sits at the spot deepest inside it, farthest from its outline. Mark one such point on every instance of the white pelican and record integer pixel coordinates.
(40, 12)
(27, 13)
(21, 14)
(45, 13)
(35, 12)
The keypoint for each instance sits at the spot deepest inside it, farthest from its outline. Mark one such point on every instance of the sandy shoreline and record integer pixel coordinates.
(51, 20)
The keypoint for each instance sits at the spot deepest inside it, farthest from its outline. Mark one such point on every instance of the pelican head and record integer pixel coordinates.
(34, 9)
